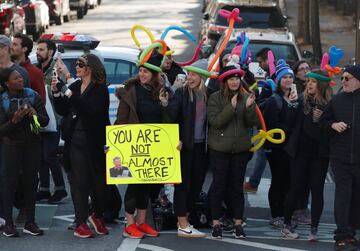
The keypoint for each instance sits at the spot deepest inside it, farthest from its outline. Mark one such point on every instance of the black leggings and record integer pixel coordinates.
(137, 197)
(85, 180)
(20, 162)
(312, 171)
(280, 180)
(193, 170)
(224, 164)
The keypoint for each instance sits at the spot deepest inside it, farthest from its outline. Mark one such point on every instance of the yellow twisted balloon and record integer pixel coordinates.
(146, 30)
(262, 136)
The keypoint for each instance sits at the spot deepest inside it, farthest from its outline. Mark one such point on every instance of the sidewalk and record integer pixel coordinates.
(335, 29)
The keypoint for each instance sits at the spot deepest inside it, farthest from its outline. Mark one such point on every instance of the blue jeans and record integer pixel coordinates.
(50, 142)
(260, 163)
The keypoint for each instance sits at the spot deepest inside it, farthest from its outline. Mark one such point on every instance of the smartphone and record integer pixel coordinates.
(293, 89)
(181, 77)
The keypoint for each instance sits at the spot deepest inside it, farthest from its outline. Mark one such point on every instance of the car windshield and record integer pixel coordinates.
(285, 51)
(255, 17)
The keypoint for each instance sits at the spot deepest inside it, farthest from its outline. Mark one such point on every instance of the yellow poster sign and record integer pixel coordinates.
(142, 153)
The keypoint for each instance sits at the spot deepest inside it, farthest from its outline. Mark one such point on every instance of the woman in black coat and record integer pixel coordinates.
(21, 148)
(85, 107)
(308, 150)
(188, 108)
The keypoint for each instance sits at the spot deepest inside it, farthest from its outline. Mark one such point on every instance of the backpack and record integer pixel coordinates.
(29, 95)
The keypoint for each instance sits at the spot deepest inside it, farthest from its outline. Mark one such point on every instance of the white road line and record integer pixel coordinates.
(68, 218)
(153, 247)
(129, 244)
(263, 220)
(256, 245)
(46, 205)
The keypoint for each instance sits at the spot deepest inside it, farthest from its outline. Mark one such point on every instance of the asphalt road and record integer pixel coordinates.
(111, 23)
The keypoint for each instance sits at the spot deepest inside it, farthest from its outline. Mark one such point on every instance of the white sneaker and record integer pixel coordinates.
(190, 232)
(2, 222)
(289, 233)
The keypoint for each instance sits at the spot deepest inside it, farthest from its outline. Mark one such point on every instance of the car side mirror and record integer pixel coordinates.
(307, 54)
(206, 16)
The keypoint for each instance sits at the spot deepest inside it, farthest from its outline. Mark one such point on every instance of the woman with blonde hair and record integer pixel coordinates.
(188, 108)
(308, 150)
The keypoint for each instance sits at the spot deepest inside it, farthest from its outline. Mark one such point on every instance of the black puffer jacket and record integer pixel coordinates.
(20, 133)
(344, 107)
(306, 137)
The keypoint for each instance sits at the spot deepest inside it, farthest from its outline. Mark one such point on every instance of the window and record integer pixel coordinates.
(255, 17)
(285, 51)
(117, 71)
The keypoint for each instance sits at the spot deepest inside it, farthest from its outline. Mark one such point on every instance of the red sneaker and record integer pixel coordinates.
(133, 232)
(83, 231)
(98, 224)
(148, 230)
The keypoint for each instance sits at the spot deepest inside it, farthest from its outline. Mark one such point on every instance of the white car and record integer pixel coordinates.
(282, 43)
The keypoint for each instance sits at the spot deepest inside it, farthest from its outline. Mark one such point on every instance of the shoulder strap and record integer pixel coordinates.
(30, 94)
(5, 101)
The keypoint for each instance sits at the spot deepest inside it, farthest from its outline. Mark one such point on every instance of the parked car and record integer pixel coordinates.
(59, 11)
(11, 19)
(80, 6)
(282, 43)
(263, 14)
(92, 3)
(37, 18)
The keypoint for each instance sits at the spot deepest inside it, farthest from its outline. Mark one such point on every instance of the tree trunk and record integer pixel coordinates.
(301, 21)
(315, 30)
(306, 14)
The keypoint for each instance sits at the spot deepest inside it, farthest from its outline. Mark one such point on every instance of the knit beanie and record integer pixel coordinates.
(282, 69)
(199, 67)
(229, 72)
(354, 70)
(155, 59)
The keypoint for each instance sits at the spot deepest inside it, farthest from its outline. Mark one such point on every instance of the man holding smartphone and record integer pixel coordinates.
(341, 120)
(46, 62)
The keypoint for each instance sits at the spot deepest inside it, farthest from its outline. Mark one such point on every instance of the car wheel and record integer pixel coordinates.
(67, 18)
(36, 35)
(80, 13)
(59, 20)
(86, 7)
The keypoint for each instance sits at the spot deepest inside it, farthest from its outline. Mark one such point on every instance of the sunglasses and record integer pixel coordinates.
(346, 78)
(80, 64)
(305, 69)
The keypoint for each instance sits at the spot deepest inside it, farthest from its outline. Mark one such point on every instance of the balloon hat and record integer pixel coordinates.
(330, 61)
(149, 59)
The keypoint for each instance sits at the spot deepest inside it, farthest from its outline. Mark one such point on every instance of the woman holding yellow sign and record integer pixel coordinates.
(231, 113)
(140, 104)
(275, 114)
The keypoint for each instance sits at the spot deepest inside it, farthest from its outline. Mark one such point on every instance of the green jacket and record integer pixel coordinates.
(228, 130)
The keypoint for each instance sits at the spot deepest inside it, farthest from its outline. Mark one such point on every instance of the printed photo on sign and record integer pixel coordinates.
(118, 170)
(143, 153)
